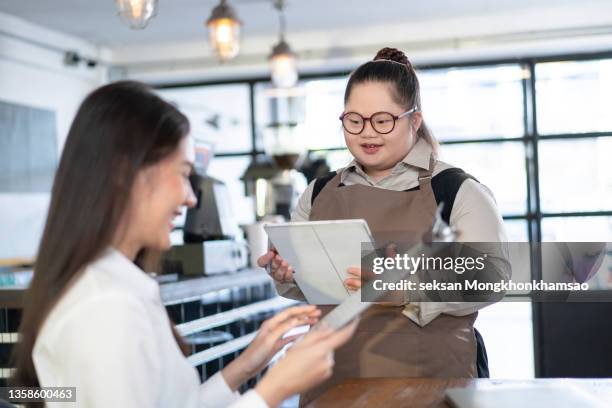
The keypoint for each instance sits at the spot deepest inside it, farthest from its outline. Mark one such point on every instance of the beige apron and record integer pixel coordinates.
(387, 343)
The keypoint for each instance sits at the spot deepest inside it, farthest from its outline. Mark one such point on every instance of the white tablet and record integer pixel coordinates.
(320, 252)
(345, 312)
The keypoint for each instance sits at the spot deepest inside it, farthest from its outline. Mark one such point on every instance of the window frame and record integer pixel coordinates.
(530, 140)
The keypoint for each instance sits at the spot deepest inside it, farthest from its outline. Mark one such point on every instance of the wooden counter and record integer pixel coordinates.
(425, 393)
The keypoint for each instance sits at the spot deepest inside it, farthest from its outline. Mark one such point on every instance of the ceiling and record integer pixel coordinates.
(182, 20)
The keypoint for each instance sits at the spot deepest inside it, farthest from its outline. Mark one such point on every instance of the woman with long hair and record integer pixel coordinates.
(92, 318)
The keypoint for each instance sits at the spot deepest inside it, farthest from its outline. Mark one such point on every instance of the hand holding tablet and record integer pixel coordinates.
(320, 252)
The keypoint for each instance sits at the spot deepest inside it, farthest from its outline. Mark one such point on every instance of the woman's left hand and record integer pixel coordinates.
(268, 342)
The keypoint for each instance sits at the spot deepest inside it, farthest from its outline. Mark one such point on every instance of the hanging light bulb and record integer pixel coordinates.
(137, 13)
(224, 31)
(283, 65)
(283, 61)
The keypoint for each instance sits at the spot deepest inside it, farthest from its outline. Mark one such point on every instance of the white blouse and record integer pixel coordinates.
(110, 337)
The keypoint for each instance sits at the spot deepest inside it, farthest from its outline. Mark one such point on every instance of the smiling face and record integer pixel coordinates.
(158, 194)
(378, 152)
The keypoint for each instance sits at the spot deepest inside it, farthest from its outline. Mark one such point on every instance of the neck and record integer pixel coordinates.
(377, 174)
(127, 247)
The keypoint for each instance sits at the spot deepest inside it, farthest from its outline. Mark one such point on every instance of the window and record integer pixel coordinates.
(508, 360)
(574, 96)
(499, 166)
(217, 113)
(316, 104)
(473, 103)
(483, 115)
(516, 230)
(221, 114)
(576, 174)
(577, 229)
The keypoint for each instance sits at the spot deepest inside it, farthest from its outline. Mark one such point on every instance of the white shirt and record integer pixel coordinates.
(474, 215)
(110, 337)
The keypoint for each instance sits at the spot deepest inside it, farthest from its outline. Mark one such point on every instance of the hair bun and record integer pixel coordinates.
(392, 54)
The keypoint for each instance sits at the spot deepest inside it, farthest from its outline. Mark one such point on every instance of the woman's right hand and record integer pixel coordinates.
(280, 270)
(307, 363)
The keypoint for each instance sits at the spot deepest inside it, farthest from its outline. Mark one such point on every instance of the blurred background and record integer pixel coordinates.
(518, 92)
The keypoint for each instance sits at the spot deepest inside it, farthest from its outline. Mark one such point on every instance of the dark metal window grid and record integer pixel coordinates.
(530, 139)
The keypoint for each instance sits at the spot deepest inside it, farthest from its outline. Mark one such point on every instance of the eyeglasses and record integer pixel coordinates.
(382, 122)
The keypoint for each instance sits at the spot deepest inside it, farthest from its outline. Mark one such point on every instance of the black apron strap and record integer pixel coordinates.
(482, 361)
(445, 186)
(320, 182)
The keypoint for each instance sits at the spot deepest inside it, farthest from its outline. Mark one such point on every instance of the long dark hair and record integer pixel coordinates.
(119, 129)
(391, 65)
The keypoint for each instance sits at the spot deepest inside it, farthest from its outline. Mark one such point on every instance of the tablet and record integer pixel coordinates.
(320, 252)
(351, 308)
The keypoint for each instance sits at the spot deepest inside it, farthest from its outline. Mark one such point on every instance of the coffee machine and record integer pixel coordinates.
(275, 188)
(273, 180)
(212, 241)
(212, 217)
